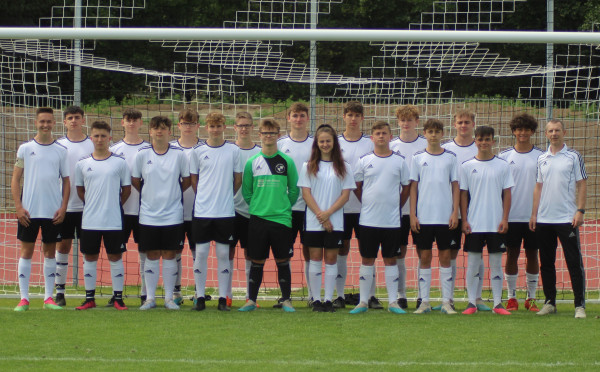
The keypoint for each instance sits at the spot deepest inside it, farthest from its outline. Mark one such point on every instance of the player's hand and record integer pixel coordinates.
(414, 224)
(532, 223)
(453, 224)
(577, 219)
(328, 226)
(59, 216)
(466, 227)
(503, 227)
(23, 216)
(323, 216)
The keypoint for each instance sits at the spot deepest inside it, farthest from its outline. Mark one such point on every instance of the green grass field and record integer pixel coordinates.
(269, 339)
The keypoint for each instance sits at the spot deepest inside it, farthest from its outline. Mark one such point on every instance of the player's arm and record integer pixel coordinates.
(136, 182)
(404, 194)
(581, 187)
(537, 193)
(453, 223)
(414, 192)
(194, 182)
(237, 181)
(81, 193)
(125, 192)
(59, 215)
(337, 205)
(185, 183)
(15, 189)
(506, 196)
(358, 191)
(464, 203)
(292, 185)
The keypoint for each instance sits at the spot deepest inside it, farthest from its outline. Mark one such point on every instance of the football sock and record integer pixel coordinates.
(511, 283)
(473, 275)
(481, 276)
(151, 274)
(446, 281)
(342, 271)
(391, 282)
(117, 272)
(284, 276)
(142, 275)
(169, 277)
(89, 274)
(453, 283)
(307, 278)
(118, 295)
(315, 277)
(331, 272)
(24, 270)
(256, 276)
(62, 266)
(90, 294)
(201, 268)
(49, 275)
(248, 265)
(178, 277)
(425, 284)
(532, 283)
(496, 277)
(419, 295)
(224, 272)
(230, 283)
(365, 280)
(400, 262)
(373, 289)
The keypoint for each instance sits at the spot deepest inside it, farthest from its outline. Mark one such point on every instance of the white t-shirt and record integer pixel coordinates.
(326, 188)
(215, 167)
(161, 192)
(127, 151)
(44, 166)
(382, 180)
(75, 152)
(523, 166)
(463, 153)
(188, 195)
(435, 174)
(485, 180)
(408, 149)
(300, 153)
(352, 151)
(102, 180)
(240, 204)
(559, 174)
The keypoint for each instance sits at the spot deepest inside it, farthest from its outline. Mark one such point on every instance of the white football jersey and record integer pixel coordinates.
(485, 180)
(75, 152)
(463, 153)
(383, 179)
(300, 153)
(408, 149)
(127, 151)
(523, 166)
(102, 180)
(188, 195)
(160, 199)
(326, 187)
(215, 167)
(352, 151)
(240, 204)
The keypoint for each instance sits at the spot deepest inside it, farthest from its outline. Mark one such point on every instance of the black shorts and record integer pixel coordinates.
(131, 223)
(495, 242)
(187, 232)
(324, 239)
(351, 224)
(298, 225)
(404, 230)
(50, 231)
(91, 239)
(71, 225)
(372, 237)
(161, 238)
(430, 233)
(519, 232)
(456, 236)
(240, 231)
(208, 229)
(267, 234)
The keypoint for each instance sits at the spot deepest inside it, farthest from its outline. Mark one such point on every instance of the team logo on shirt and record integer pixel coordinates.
(370, 166)
(280, 168)
(89, 169)
(425, 164)
(512, 162)
(206, 158)
(287, 151)
(32, 153)
(149, 162)
(474, 171)
(258, 167)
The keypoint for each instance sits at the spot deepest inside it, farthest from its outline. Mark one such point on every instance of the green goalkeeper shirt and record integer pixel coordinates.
(270, 187)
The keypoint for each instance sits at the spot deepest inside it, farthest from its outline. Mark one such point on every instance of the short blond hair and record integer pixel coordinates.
(407, 112)
(243, 115)
(462, 113)
(213, 118)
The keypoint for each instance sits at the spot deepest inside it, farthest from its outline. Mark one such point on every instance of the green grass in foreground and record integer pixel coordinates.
(269, 339)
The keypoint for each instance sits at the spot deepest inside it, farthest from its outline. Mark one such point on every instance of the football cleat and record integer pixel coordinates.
(89, 303)
(22, 306)
(50, 304)
(512, 304)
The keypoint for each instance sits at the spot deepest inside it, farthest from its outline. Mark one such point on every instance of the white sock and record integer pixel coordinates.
(89, 274)
(151, 274)
(481, 276)
(24, 271)
(446, 284)
(391, 282)
(365, 280)
(331, 272)
(400, 262)
(496, 277)
(142, 274)
(314, 278)
(230, 284)
(373, 289)
(223, 266)
(342, 272)
(201, 268)
(532, 283)
(62, 266)
(425, 284)
(419, 295)
(307, 278)
(169, 277)
(473, 276)
(453, 282)
(511, 284)
(248, 264)
(178, 277)
(117, 272)
(49, 275)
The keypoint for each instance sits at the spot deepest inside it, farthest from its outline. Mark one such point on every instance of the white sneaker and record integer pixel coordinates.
(171, 305)
(580, 312)
(547, 309)
(447, 309)
(423, 308)
(148, 304)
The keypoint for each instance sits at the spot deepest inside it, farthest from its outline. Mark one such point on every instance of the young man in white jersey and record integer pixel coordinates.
(522, 160)
(128, 148)
(485, 197)
(377, 174)
(103, 182)
(216, 175)
(354, 144)
(434, 204)
(78, 145)
(165, 173)
(297, 145)
(558, 209)
(188, 128)
(41, 204)
(463, 145)
(407, 144)
(243, 129)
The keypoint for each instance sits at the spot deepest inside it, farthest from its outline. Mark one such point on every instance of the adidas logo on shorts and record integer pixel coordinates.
(572, 234)
(340, 242)
(231, 238)
(291, 251)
